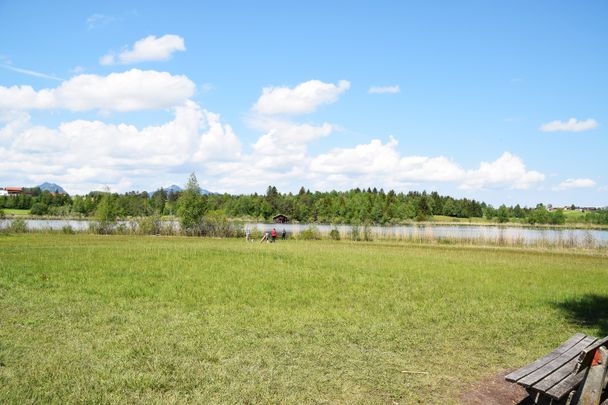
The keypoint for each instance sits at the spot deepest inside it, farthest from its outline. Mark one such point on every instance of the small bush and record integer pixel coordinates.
(310, 233)
(2, 214)
(168, 228)
(18, 226)
(122, 229)
(334, 234)
(62, 211)
(39, 209)
(589, 241)
(354, 233)
(367, 233)
(256, 234)
(68, 230)
(192, 230)
(93, 227)
(149, 225)
(216, 224)
(101, 227)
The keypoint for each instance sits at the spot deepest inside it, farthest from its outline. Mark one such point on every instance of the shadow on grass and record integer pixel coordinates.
(590, 311)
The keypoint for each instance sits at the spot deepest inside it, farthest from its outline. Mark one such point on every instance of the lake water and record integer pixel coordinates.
(522, 235)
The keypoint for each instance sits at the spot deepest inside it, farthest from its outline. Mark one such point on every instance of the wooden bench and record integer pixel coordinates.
(556, 378)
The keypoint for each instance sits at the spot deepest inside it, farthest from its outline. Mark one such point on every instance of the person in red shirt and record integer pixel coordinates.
(273, 234)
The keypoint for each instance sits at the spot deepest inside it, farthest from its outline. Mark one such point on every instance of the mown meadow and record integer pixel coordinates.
(121, 319)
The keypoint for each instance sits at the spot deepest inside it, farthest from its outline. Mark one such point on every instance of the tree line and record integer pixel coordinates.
(355, 206)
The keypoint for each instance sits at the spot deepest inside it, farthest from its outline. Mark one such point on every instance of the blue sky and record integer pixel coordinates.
(501, 102)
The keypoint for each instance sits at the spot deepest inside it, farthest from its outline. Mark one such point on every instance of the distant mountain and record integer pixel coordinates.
(52, 188)
(174, 188)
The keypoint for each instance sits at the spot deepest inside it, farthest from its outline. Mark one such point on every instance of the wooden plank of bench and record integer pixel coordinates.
(559, 390)
(557, 376)
(566, 385)
(556, 363)
(524, 371)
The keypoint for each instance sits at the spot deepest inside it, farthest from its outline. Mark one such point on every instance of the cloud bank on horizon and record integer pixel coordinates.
(289, 135)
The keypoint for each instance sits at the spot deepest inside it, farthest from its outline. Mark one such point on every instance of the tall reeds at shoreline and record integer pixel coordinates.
(221, 228)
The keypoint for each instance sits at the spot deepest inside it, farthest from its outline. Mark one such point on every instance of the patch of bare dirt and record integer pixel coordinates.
(495, 390)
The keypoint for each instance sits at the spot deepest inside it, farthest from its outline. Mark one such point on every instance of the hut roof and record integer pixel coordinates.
(280, 218)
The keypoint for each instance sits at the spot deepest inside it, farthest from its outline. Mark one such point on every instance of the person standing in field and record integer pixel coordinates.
(247, 233)
(265, 237)
(284, 234)
(273, 234)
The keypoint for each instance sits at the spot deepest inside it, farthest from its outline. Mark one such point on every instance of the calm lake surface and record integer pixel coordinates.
(524, 235)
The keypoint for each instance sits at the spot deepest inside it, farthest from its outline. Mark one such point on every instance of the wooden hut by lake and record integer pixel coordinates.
(280, 219)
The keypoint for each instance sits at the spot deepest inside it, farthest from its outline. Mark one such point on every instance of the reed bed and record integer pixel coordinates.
(355, 233)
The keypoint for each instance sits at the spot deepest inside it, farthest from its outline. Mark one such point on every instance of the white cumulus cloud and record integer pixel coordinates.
(83, 155)
(508, 171)
(218, 142)
(433, 169)
(384, 160)
(384, 90)
(146, 49)
(575, 183)
(380, 163)
(287, 142)
(285, 132)
(132, 90)
(283, 137)
(374, 157)
(572, 125)
(302, 99)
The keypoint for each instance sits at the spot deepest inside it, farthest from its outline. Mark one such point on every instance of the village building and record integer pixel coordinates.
(12, 190)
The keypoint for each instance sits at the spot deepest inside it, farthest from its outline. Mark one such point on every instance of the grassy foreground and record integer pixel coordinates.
(119, 319)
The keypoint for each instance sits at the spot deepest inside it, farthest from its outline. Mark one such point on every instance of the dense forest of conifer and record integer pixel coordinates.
(356, 206)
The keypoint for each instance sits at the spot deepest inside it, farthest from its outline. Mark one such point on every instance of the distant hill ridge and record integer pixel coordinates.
(173, 188)
(56, 188)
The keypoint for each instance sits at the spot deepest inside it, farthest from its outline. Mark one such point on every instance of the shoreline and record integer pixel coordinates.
(572, 226)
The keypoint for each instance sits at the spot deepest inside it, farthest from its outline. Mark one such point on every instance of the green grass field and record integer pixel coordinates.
(122, 319)
(574, 217)
(11, 211)
(444, 218)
